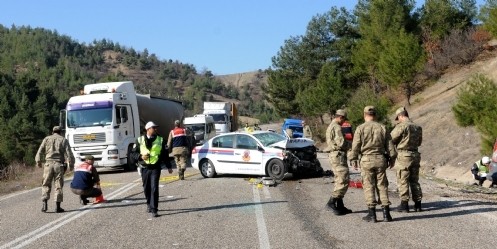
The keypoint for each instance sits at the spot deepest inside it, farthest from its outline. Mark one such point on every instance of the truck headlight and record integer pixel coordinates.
(113, 152)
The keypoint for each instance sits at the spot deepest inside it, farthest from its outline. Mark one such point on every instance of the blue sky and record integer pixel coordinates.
(223, 36)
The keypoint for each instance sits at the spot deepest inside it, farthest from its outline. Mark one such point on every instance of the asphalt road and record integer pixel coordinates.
(235, 212)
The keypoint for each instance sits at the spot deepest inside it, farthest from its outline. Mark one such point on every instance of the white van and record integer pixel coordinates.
(203, 127)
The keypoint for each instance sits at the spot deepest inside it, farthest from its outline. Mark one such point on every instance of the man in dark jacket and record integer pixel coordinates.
(86, 182)
(150, 151)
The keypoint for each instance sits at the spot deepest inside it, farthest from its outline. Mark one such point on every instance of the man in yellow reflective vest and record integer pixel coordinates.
(150, 151)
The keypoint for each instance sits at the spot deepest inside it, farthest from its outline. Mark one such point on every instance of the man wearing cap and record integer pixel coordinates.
(407, 137)
(86, 182)
(178, 142)
(338, 147)
(150, 152)
(307, 130)
(54, 155)
(373, 143)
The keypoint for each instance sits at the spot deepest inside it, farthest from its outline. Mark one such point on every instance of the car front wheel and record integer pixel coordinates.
(207, 169)
(276, 169)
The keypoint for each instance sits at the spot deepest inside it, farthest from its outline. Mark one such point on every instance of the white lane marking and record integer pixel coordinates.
(261, 223)
(474, 207)
(52, 226)
(267, 195)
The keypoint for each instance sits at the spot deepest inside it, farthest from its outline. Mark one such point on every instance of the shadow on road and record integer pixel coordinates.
(239, 205)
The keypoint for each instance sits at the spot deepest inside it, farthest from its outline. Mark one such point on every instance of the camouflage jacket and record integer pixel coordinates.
(55, 148)
(372, 138)
(334, 137)
(407, 136)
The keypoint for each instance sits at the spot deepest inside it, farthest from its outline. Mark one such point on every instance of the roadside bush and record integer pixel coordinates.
(477, 106)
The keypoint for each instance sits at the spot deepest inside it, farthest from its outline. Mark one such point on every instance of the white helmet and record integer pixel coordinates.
(485, 160)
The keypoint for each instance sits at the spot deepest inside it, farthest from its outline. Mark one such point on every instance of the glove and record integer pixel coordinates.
(38, 164)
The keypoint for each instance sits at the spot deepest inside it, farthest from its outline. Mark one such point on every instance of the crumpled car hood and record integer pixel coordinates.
(294, 143)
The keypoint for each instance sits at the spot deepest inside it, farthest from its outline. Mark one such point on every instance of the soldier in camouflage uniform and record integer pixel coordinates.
(407, 137)
(338, 146)
(54, 151)
(373, 143)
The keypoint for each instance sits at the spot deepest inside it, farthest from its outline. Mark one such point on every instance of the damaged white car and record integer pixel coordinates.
(262, 153)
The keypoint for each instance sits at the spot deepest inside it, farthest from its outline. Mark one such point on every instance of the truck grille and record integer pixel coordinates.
(89, 138)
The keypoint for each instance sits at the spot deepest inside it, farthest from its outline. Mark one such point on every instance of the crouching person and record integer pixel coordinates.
(86, 182)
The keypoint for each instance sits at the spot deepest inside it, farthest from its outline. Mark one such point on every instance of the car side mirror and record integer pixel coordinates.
(259, 148)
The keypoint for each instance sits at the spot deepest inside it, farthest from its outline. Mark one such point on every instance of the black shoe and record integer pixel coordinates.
(154, 214)
(332, 206)
(386, 214)
(371, 217)
(417, 206)
(58, 209)
(149, 210)
(403, 207)
(341, 207)
(84, 201)
(44, 206)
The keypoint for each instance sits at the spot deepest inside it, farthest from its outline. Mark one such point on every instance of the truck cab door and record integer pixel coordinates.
(124, 127)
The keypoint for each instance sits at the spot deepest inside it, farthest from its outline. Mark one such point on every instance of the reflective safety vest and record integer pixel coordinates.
(481, 167)
(154, 152)
(179, 137)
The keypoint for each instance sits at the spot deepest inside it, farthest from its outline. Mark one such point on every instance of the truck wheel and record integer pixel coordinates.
(130, 165)
(207, 169)
(276, 169)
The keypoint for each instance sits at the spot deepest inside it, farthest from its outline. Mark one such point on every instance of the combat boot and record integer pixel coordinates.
(403, 207)
(182, 174)
(371, 217)
(386, 214)
(332, 205)
(58, 209)
(341, 207)
(44, 206)
(417, 206)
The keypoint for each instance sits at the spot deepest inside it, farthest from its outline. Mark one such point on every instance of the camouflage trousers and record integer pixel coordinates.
(374, 178)
(52, 172)
(338, 162)
(180, 157)
(407, 170)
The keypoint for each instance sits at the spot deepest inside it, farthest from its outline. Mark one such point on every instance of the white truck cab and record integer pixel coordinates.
(203, 127)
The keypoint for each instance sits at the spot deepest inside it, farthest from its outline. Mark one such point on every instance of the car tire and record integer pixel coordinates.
(207, 169)
(276, 169)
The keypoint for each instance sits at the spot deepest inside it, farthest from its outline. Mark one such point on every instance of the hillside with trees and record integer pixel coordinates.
(382, 53)
(40, 69)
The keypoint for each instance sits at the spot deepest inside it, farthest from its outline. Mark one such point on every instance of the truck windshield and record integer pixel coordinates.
(197, 128)
(297, 128)
(219, 118)
(89, 117)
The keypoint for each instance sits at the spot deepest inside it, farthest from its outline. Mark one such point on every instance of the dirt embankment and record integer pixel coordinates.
(448, 150)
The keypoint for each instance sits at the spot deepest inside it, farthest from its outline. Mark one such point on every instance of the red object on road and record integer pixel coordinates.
(355, 183)
(99, 199)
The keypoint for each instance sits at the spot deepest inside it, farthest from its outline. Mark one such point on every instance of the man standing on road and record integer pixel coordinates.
(373, 143)
(86, 182)
(57, 156)
(150, 152)
(178, 142)
(407, 137)
(307, 130)
(338, 160)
